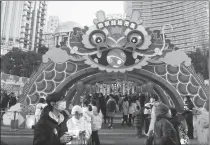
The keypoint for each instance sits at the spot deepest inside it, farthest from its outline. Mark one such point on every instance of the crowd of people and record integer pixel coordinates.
(57, 124)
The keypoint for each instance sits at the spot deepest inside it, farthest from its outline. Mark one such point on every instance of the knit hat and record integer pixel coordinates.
(76, 109)
(55, 97)
(161, 109)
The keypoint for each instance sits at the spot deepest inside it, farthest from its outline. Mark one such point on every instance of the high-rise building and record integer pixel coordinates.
(52, 24)
(189, 19)
(38, 23)
(22, 23)
(11, 20)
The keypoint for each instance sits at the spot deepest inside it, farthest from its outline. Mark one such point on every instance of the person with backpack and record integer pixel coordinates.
(111, 110)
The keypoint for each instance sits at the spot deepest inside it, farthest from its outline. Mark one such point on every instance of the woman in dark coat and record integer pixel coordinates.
(175, 121)
(51, 129)
(102, 103)
(164, 132)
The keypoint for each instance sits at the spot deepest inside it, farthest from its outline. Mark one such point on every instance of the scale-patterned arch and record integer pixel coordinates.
(47, 79)
(185, 81)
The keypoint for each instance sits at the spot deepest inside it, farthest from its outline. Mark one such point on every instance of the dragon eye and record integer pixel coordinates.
(97, 37)
(136, 37)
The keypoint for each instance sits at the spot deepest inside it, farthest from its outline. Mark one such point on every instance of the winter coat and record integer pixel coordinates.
(38, 111)
(96, 121)
(5, 101)
(111, 105)
(12, 101)
(75, 127)
(202, 127)
(125, 107)
(153, 116)
(132, 108)
(48, 131)
(147, 108)
(164, 133)
(138, 118)
(87, 114)
(176, 123)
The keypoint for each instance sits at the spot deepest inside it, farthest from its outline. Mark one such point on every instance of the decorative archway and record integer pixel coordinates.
(122, 46)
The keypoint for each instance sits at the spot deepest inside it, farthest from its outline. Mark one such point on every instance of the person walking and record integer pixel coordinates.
(147, 117)
(51, 128)
(188, 114)
(125, 109)
(138, 121)
(102, 102)
(131, 110)
(111, 110)
(175, 122)
(164, 133)
(154, 100)
(96, 126)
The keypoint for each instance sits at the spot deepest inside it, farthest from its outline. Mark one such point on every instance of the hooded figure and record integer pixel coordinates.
(78, 127)
(164, 132)
(51, 128)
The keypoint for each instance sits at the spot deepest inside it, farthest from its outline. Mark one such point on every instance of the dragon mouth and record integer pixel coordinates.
(115, 57)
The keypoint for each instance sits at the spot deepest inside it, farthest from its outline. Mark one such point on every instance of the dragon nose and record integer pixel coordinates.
(111, 42)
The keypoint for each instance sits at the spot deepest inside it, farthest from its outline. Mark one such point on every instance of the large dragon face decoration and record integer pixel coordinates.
(117, 45)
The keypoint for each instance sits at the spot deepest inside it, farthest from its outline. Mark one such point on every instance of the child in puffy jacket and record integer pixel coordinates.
(96, 125)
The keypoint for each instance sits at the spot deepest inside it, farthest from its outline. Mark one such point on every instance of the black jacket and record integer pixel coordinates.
(46, 128)
(12, 101)
(5, 101)
(165, 133)
(176, 123)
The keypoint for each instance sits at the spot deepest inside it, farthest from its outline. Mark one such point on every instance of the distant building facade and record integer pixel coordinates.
(189, 19)
(22, 23)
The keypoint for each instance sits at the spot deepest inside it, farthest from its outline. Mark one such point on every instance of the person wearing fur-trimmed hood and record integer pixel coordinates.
(78, 127)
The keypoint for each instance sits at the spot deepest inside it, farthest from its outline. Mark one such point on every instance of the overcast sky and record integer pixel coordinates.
(83, 12)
